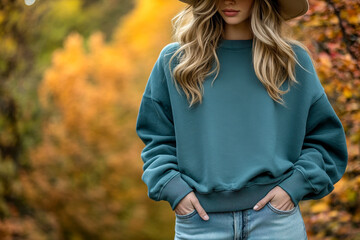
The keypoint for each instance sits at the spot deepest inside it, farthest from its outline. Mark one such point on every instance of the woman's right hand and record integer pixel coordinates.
(188, 204)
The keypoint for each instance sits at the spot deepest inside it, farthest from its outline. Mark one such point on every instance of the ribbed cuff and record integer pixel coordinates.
(296, 186)
(175, 190)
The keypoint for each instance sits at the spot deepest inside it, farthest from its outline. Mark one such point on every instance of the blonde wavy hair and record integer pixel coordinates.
(199, 27)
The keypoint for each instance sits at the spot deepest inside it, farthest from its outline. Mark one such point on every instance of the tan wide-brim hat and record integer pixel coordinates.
(288, 9)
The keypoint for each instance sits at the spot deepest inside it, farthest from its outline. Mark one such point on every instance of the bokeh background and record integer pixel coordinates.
(72, 74)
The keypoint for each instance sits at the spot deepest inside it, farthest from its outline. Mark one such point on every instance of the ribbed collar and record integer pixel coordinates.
(235, 44)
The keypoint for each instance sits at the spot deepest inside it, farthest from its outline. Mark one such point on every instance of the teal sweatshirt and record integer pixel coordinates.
(237, 145)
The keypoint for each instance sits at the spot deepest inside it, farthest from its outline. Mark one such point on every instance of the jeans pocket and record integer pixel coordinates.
(188, 215)
(283, 212)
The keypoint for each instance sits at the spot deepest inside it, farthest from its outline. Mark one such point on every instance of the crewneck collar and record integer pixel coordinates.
(235, 44)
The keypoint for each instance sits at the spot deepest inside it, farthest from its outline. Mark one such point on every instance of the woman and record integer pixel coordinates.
(235, 156)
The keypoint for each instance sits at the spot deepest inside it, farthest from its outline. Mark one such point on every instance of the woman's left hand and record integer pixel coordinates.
(278, 197)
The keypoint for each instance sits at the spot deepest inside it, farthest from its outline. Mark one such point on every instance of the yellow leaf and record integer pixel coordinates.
(319, 207)
(354, 19)
(347, 92)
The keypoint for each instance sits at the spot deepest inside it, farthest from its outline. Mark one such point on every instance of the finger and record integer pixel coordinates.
(290, 205)
(259, 205)
(195, 202)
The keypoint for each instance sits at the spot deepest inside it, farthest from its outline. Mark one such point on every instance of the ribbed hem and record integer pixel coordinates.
(175, 190)
(296, 186)
(245, 198)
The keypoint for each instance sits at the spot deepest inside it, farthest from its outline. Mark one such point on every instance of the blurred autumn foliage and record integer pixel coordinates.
(72, 76)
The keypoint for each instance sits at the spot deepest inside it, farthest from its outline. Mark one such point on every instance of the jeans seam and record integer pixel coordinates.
(245, 222)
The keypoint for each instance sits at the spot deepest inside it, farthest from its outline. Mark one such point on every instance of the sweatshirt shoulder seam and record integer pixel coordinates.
(151, 98)
(156, 100)
(318, 98)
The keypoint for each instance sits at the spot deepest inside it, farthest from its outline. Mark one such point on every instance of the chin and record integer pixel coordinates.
(234, 21)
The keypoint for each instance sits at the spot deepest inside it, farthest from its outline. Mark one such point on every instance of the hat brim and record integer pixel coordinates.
(288, 9)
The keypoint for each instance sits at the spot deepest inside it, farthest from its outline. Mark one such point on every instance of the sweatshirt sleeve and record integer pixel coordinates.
(155, 127)
(323, 157)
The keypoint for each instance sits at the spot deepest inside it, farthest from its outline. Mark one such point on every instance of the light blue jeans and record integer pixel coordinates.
(266, 223)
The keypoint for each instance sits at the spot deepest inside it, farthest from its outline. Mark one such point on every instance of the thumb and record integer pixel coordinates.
(195, 202)
(259, 205)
